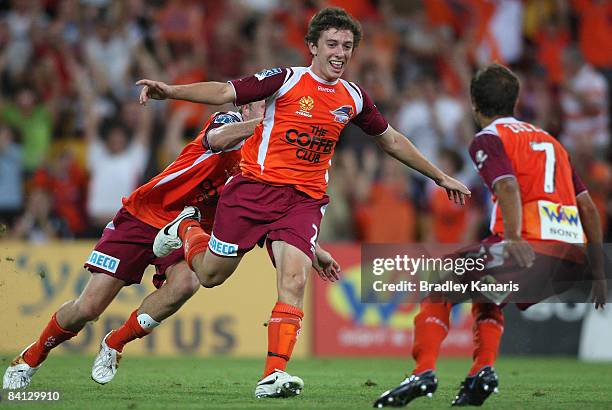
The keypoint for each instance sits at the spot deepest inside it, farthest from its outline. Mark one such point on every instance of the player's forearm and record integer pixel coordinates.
(231, 134)
(589, 217)
(509, 201)
(400, 148)
(209, 92)
(591, 224)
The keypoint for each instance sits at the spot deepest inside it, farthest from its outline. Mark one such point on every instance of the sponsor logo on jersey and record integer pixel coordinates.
(343, 114)
(560, 222)
(310, 144)
(326, 89)
(481, 157)
(222, 248)
(268, 73)
(225, 119)
(306, 104)
(103, 261)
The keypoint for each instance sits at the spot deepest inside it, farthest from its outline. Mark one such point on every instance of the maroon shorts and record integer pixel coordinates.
(250, 212)
(548, 276)
(126, 249)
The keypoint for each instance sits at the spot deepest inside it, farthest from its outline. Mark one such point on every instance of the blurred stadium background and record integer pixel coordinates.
(73, 141)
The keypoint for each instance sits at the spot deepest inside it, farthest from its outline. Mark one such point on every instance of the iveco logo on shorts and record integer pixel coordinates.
(222, 248)
(103, 261)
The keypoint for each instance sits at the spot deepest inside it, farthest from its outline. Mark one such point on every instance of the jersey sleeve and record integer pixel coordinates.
(490, 158)
(260, 86)
(219, 119)
(370, 120)
(579, 186)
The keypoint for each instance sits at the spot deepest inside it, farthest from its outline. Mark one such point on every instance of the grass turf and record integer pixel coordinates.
(188, 382)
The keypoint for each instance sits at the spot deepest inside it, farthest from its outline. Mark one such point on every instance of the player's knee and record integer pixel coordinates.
(88, 310)
(210, 281)
(292, 283)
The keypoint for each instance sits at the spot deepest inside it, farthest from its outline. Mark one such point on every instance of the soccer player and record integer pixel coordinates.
(124, 251)
(280, 193)
(527, 170)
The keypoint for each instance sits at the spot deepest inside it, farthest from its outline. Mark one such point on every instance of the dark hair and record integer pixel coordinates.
(494, 91)
(332, 17)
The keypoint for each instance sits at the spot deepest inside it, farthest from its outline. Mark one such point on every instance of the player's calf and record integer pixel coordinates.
(417, 385)
(476, 389)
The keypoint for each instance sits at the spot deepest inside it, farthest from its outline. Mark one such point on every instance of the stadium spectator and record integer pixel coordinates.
(34, 120)
(383, 211)
(39, 223)
(584, 100)
(11, 176)
(445, 221)
(66, 182)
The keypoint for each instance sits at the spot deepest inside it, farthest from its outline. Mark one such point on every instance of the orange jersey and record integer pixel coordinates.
(196, 177)
(302, 124)
(548, 184)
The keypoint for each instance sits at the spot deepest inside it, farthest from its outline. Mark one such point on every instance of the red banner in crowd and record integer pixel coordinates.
(344, 326)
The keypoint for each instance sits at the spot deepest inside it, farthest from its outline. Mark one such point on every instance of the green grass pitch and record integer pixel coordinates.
(218, 383)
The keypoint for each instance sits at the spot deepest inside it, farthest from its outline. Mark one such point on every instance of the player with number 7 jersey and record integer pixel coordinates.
(548, 184)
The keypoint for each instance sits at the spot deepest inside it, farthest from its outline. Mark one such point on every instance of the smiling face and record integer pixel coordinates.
(332, 53)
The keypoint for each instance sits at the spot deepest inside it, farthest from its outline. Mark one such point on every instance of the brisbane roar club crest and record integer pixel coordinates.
(343, 114)
(306, 104)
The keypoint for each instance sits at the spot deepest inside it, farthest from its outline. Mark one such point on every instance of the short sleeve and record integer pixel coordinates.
(260, 86)
(490, 158)
(579, 186)
(370, 120)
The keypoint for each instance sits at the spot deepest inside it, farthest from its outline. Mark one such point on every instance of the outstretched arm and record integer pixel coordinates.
(400, 148)
(209, 92)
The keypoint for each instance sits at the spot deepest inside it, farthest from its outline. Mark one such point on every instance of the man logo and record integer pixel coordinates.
(343, 114)
(306, 103)
(481, 157)
(268, 73)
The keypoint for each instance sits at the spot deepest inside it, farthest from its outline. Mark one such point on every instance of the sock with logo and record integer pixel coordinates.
(430, 329)
(283, 329)
(488, 329)
(136, 327)
(52, 336)
(195, 240)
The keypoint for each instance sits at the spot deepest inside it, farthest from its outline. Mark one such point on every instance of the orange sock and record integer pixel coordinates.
(283, 329)
(130, 330)
(488, 330)
(195, 240)
(51, 336)
(430, 329)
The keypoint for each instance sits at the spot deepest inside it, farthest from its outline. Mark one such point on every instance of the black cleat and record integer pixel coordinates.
(417, 385)
(476, 389)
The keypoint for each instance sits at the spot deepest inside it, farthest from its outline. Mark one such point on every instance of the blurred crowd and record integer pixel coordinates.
(74, 140)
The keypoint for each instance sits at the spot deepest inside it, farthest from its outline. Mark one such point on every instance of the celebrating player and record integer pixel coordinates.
(124, 251)
(280, 194)
(527, 170)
